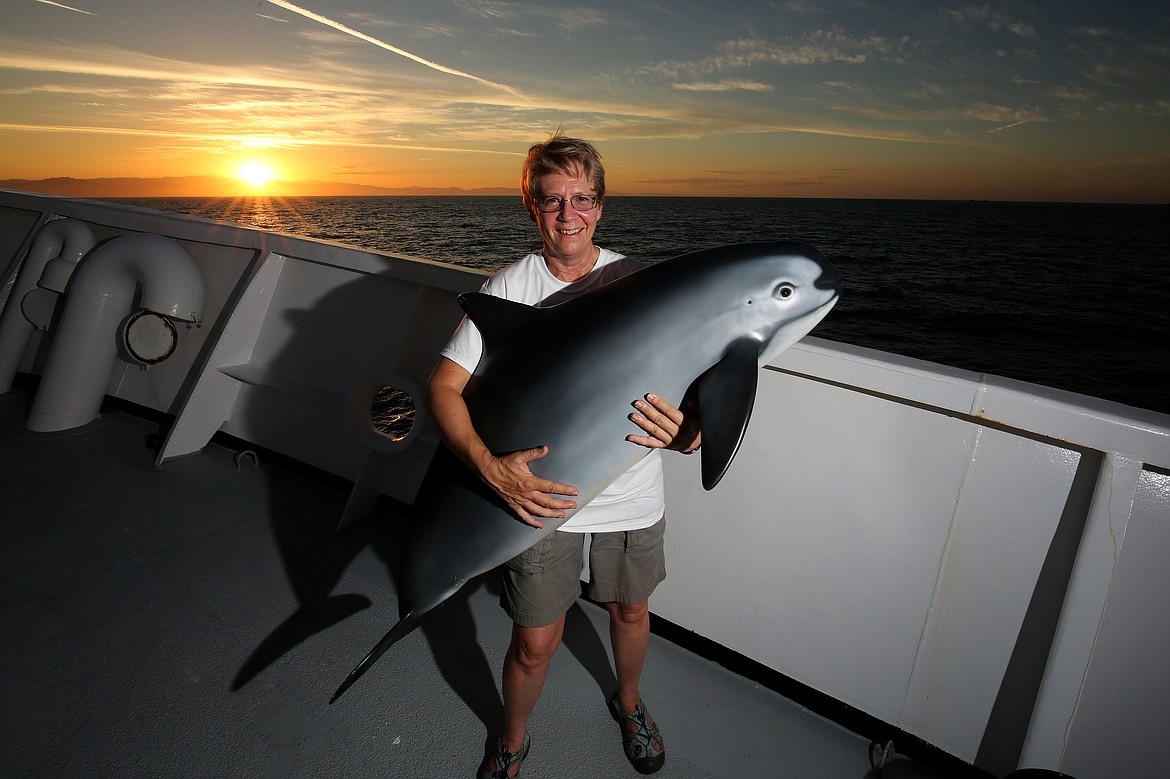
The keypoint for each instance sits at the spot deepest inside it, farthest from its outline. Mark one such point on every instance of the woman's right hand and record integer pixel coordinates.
(527, 494)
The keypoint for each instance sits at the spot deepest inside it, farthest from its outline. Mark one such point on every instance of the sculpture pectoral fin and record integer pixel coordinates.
(727, 393)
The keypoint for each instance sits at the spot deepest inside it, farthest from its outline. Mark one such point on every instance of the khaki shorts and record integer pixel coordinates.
(542, 583)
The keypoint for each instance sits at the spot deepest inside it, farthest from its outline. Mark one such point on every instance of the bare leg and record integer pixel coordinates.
(525, 668)
(629, 627)
(629, 632)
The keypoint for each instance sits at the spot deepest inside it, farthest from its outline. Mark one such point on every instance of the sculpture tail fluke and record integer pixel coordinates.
(400, 630)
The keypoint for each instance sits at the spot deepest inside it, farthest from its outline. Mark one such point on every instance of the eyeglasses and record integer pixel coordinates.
(551, 204)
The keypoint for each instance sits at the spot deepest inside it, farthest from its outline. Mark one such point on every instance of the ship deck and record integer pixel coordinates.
(194, 619)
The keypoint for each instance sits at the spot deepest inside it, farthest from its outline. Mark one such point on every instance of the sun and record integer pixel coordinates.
(255, 173)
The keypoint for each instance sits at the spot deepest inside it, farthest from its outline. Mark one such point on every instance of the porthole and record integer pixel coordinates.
(392, 413)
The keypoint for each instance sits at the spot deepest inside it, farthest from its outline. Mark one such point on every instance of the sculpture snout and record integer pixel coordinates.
(830, 279)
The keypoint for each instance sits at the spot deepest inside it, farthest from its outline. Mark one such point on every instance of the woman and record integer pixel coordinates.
(563, 184)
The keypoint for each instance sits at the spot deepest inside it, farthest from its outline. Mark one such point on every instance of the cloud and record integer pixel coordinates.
(117, 93)
(108, 61)
(725, 85)
(507, 32)
(323, 102)
(1019, 28)
(246, 140)
(489, 9)
(827, 81)
(818, 47)
(1092, 32)
(568, 19)
(1003, 130)
(804, 7)
(1071, 93)
(982, 112)
(821, 46)
(744, 172)
(695, 181)
(996, 20)
(970, 12)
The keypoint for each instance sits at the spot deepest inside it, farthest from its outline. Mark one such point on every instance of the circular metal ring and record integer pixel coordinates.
(150, 338)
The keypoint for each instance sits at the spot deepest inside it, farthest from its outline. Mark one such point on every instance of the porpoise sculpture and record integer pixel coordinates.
(699, 325)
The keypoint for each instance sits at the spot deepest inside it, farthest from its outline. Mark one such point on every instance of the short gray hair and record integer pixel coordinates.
(560, 154)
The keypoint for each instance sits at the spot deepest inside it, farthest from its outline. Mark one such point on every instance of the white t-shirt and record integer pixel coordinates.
(636, 499)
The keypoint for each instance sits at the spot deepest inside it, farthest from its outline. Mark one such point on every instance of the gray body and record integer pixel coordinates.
(699, 326)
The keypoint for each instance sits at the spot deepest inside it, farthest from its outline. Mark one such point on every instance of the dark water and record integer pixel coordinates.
(1074, 296)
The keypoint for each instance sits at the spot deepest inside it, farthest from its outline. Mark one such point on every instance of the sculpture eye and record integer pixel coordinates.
(784, 291)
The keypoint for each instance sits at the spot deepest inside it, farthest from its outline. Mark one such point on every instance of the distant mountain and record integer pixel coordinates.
(218, 186)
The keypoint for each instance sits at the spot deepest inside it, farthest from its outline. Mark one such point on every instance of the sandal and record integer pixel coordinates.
(505, 760)
(644, 748)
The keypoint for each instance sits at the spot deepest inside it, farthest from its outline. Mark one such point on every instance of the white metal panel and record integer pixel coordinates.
(818, 553)
(1010, 504)
(1122, 716)
(328, 321)
(1082, 613)
(891, 550)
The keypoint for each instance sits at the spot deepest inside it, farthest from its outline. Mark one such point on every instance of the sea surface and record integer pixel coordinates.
(1073, 296)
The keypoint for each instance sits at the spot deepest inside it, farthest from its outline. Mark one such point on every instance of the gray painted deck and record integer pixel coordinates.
(193, 620)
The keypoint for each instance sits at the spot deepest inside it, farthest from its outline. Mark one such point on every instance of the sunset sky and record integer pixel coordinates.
(1050, 100)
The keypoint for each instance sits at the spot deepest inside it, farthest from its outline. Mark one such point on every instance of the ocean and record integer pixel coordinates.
(1068, 295)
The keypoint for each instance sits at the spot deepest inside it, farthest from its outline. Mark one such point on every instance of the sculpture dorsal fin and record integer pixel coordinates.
(498, 320)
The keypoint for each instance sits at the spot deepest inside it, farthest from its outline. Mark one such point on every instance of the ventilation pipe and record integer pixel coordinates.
(154, 269)
(55, 252)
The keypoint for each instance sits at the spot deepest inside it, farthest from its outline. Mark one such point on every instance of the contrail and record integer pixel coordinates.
(383, 45)
(67, 7)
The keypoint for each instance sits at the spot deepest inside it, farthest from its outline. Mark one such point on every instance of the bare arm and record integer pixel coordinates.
(528, 495)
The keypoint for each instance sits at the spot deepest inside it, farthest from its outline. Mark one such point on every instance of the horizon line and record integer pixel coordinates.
(484, 192)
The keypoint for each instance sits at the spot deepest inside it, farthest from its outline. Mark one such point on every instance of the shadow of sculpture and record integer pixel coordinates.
(354, 325)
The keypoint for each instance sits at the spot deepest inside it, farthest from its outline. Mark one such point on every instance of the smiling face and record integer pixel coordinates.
(568, 233)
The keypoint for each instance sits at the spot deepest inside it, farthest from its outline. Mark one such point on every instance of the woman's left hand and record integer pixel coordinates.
(666, 426)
